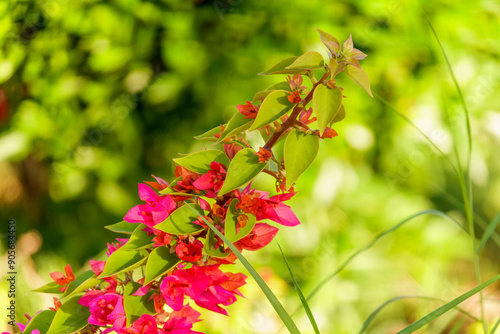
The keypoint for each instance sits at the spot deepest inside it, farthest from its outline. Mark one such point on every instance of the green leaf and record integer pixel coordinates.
(326, 105)
(209, 247)
(40, 321)
(180, 222)
(259, 96)
(232, 221)
(303, 299)
(85, 280)
(359, 76)
(122, 227)
(169, 189)
(281, 67)
(136, 306)
(336, 67)
(238, 123)
(448, 306)
(160, 262)
(282, 85)
(340, 116)
(70, 317)
(308, 61)
(138, 239)
(283, 314)
(274, 106)
(300, 151)
(209, 135)
(51, 287)
(243, 168)
(199, 162)
(123, 260)
(330, 42)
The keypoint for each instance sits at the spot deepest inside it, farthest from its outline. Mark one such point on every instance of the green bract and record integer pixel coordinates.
(180, 222)
(326, 104)
(160, 261)
(243, 168)
(275, 105)
(70, 317)
(199, 162)
(300, 151)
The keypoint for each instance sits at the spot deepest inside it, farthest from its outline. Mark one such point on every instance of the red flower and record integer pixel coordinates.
(249, 110)
(261, 235)
(294, 97)
(212, 180)
(189, 252)
(60, 279)
(264, 155)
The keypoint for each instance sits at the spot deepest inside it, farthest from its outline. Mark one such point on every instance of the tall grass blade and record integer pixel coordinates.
(496, 326)
(448, 306)
(283, 314)
(374, 313)
(376, 239)
(301, 295)
(489, 232)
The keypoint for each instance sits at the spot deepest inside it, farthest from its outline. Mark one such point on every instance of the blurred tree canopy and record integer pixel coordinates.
(97, 95)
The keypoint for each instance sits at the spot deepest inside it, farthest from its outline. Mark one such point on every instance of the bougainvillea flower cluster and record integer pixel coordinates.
(178, 240)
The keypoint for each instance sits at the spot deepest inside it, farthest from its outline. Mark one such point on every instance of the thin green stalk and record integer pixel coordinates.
(374, 313)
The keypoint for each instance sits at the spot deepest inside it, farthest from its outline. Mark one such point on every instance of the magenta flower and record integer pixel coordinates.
(146, 324)
(105, 309)
(261, 235)
(181, 322)
(156, 209)
(258, 203)
(212, 180)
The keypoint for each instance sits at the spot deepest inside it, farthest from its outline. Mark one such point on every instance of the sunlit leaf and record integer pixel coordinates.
(138, 239)
(339, 117)
(238, 123)
(275, 105)
(330, 42)
(70, 317)
(180, 222)
(359, 76)
(281, 67)
(123, 260)
(136, 306)
(300, 151)
(85, 280)
(51, 287)
(232, 222)
(160, 261)
(211, 243)
(209, 135)
(40, 321)
(326, 105)
(243, 168)
(199, 162)
(308, 61)
(122, 227)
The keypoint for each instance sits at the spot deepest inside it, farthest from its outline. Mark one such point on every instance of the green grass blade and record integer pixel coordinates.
(489, 232)
(448, 306)
(496, 326)
(374, 313)
(458, 326)
(376, 239)
(301, 295)
(283, 314)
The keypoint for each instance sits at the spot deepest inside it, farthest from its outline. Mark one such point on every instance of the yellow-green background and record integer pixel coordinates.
(101, 94)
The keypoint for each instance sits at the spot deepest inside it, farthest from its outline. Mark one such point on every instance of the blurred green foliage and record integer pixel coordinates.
(97, 95)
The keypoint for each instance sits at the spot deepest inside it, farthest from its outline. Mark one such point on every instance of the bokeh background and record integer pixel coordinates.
(97, 95)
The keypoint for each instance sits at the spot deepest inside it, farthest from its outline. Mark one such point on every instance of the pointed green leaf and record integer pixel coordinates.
(330, 42)
(70, 317)
(282, 85)
(209, 135)
(326, 104)
(281, 67)
(243, 168)
(40, 321)
(199, 162)
(238, 123)
(359, 76)
(274, 106)
(340, 116)
(122, 227)
(169, 189)
(232, 221)
(51, 287)
(180, 222)
(308, 61)
(336, 67)
(300, 151)
(159, 263)
(138, 239)
(259, 96)
(136, 306)
(209, 247)
(85, 280)
(123, 260)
